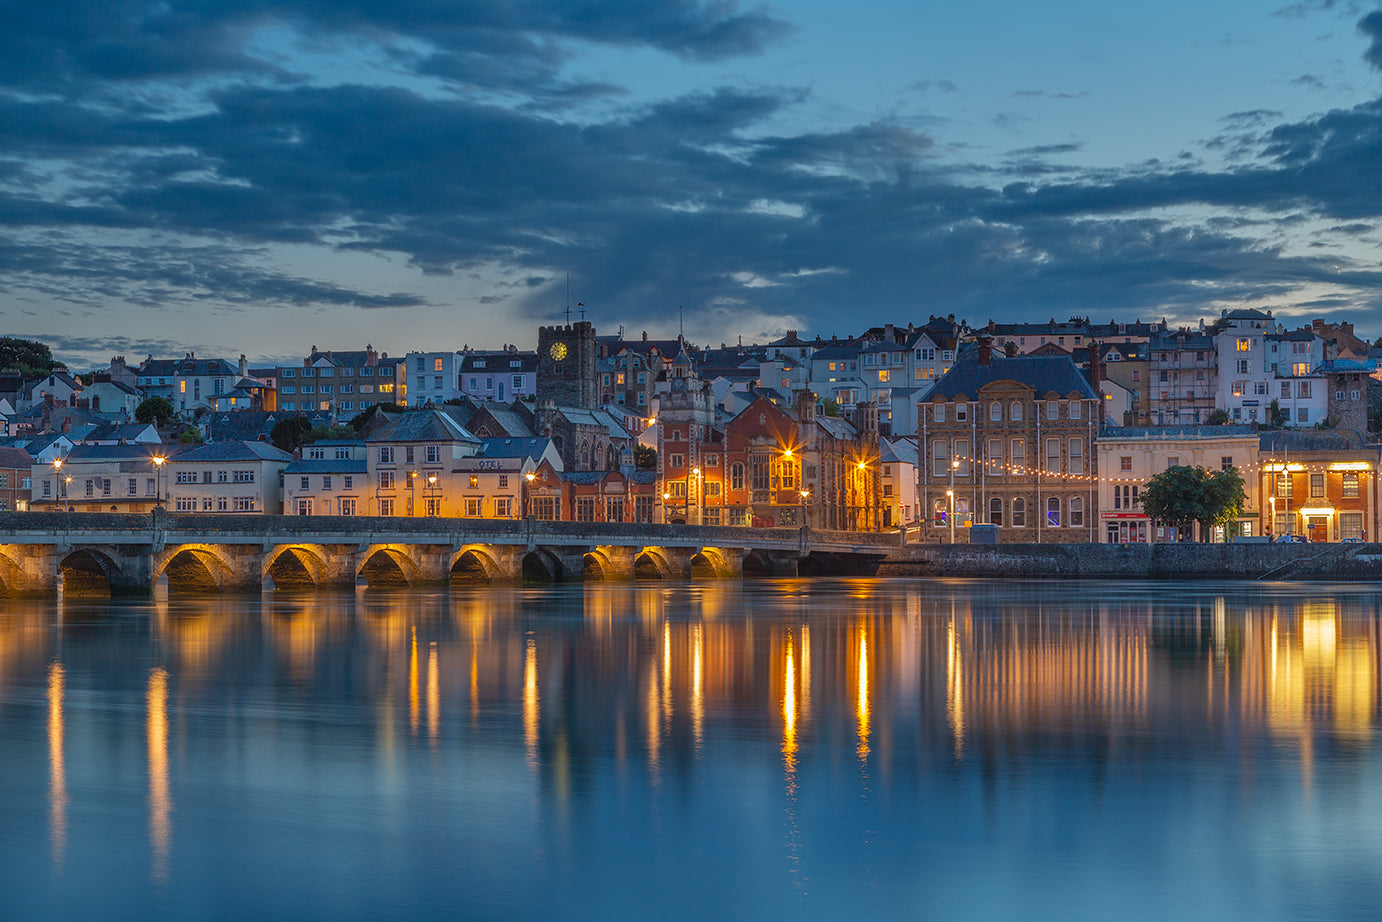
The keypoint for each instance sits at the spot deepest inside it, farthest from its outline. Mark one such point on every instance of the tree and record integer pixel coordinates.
(830, 406)
(1276, 417)
(190, 436)
(157, 410)
(644, 458)
(292, 433)
(1217, 418)
(27, 355)
(1182, 495)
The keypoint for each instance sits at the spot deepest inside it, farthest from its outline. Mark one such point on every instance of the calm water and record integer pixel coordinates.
(804, 749)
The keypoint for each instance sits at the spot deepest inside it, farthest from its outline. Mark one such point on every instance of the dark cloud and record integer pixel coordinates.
(1371, 26)
(698, 200)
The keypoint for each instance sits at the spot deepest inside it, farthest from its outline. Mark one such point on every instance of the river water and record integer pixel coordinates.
(780, 748)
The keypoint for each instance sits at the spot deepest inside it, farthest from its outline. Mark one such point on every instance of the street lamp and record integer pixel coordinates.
(863, 505)
(412, 493)
(954, 465)
(528, 479)
(804, 495)
(158, 477)
(57, 476)
(665, 497)
(431, 495)
(700, 498)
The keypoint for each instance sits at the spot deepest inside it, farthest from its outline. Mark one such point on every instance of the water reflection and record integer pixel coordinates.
(796, 708)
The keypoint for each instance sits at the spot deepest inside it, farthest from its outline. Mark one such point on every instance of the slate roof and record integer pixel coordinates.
(141, 453)
(504, 447)
(15, 458)
(424, 426)
(234, 451)
(1282, 440)
(1045, 374)
(1174, 433)
(836, 427)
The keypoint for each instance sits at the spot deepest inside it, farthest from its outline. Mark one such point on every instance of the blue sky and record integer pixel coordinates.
(227, 177)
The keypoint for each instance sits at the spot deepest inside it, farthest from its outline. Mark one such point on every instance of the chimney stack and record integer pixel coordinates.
(985, 348)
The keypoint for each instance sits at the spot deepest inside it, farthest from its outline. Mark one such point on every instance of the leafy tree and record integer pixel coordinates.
(157, 410)
(830, 407)
(190, 436)
(27, 355)
(321, 433)
(1182, 495)
(292, 433)
(1276, 417)
(644, 458)
(1217, 418)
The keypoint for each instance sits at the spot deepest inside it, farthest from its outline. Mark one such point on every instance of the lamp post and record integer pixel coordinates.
(431, 495)
(412, 493)
(1271, 523)
(158, 478)
(862, 480)
(57, 476)
(951, 493)
(700, 498)
(665, 496)
(528, 479)
(804, 495)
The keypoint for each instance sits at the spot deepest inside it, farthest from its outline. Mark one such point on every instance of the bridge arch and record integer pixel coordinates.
(294, 566)
(758, 563)
(598, 567)
(541, 566)
(651, 563)
(12, 579)
(86, 572)
(474, 565)
(708, 563)
(194, 569)
(386, 566)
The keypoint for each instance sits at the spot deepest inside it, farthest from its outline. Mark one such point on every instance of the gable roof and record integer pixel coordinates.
(423, 426)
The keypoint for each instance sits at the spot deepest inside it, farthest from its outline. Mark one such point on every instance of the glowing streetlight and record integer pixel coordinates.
(158, 477)
(528, 479)
(805, 494)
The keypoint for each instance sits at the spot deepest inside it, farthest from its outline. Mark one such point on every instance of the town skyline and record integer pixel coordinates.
(181, 178)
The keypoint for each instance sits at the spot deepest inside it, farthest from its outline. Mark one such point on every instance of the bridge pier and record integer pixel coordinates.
(27, 570)
(618, 563)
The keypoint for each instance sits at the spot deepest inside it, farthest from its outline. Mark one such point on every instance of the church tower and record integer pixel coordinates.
(566, 369)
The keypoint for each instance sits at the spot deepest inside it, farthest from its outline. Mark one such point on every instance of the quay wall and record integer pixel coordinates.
(1343, 562)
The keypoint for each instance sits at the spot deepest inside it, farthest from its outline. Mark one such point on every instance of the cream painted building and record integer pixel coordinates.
(1129, 457)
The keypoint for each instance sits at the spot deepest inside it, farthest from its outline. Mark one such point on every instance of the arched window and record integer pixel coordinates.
(1016, 413)
(939, 510)
(996, 411)
(996, 511)
(1076, 511)
(1019, 513)
(1053, 511)
(736, 475)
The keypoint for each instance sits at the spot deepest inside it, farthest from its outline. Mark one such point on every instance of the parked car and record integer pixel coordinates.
(1290, 539)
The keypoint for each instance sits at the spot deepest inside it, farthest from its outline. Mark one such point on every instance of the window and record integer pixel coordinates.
(1053, 512)
(995, 511)
(758, 473)
(242, 503)
(309, 389)
(503, 507)
(289, 389)
(1302, 415)
(244, 477)
(326, 482)
(1299, 369)
(1136, 375)
(326, 372)
(1285, 485)
(585, 509)
(1053, 456)
(287, 373)
(503, 481)
(961, 412)
(1286, 388)
(386, 507)
(1303, 388)
(316, 454)
(1015, 411)
(206, 476)
(1350, 525)
(1076, 511)
(996, 411)
(304, 484)
(1350, 485)
(1052, 409)
(995, 457)
(938, 511)
(386, 454)
(1173, 461)
(1019, 513)
(347, 482)
(133, 485)
(643, 509)
(1125, 463)
(1018, 457)
(1226, 462)
(185, 504)
(676, 460)
(938, 412)
(433, 507)
(222, 477)
(385, 481)
(1238, 387)
(436, 364)
(1242, 366)
(1244, 345)
(940, 458)
(961, 457)
(1316, 486)
(472, 506)
(346, 505)
(736, 476)
(186, 477)
(1076, 456)
(1075, 409)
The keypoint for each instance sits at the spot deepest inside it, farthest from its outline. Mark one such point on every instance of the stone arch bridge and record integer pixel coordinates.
(95, 553)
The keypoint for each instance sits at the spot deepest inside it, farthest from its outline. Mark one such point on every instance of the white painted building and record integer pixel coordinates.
(227, 477)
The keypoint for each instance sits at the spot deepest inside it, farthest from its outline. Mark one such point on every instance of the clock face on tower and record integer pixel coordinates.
(558, 351)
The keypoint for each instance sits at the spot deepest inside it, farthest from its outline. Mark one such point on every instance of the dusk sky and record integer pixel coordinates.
(234, 176)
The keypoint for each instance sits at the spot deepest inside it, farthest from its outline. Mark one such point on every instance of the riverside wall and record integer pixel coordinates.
(1344, 562)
